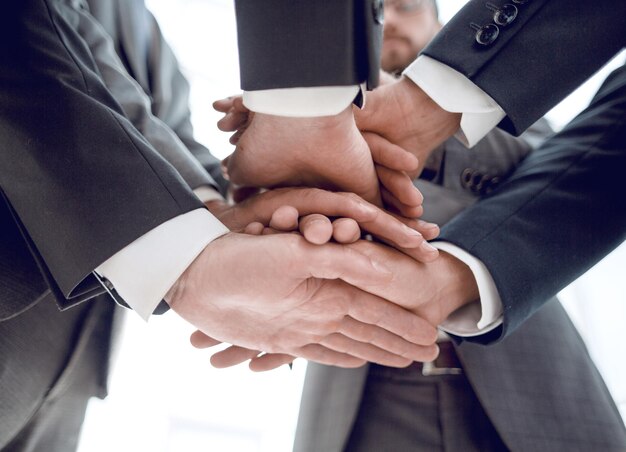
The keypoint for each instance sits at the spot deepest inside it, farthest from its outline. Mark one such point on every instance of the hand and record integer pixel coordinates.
(395, 184)
(236, 118)
(280, 294)
(325, 152)
(405, 116)
(433, 290)
(317, 229)
(410, 234)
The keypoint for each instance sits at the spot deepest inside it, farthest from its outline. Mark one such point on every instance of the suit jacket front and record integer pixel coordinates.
(530, 384)
(560, 212)
(563, 209)
(79, 182)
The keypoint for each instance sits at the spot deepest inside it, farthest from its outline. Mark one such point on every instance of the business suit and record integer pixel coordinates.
(523, 393)
(69, 352)
(562, 210)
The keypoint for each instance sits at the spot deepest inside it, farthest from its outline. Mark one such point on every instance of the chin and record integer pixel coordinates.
(393, 63)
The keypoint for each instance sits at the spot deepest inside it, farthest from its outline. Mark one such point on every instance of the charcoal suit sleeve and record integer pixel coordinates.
(303, 43)
(550, 48)
(81, 180)
(170, 99)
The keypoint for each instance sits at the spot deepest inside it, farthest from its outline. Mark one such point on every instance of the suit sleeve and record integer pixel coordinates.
(551, 48)
(170, 100)
(138, 106)
(81, 180)
(561, 211)
(303, 43)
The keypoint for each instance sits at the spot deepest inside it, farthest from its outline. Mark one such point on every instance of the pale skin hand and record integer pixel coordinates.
(237, 118)
(432, 290)
(410, 234)
(281, 294)
(405, 116)
(326, 152)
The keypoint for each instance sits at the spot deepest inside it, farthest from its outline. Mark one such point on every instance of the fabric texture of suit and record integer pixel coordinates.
(529, 385)
(71, 227)
(563, 209)
(70, 357)
(299, 43)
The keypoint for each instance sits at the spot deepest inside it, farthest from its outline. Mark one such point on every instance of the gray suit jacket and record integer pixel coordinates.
(539, 386)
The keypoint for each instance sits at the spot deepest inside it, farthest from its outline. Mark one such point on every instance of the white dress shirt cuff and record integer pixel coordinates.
(481, 316)
(301, 102)
(206, 193)
(455, 93)
(145, 270)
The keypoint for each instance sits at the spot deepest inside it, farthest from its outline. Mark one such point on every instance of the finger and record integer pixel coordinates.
(239, 106)
(367, 352)
(255, 228)
(384, 340)
(333, 261)
(200, 340)
(324, 355)
(348, 205)
(240, 194)
(331, 204)
(393, 204)
(373, 310)
(230, 103)
(224, 105)
(232, 356)
(399, 185)
(224, 167)
(270, 231)
(390, 155)
(235, 137)
(430, 231)
(285, 218)
(346, 230)
(232, 121)
(269, 361)
(316, 228)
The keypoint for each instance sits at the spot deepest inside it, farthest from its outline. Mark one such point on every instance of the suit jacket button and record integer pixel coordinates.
(487, 34)
(505, 15)
(466, 178)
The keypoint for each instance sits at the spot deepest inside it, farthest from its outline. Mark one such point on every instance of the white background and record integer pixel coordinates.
(164, 395)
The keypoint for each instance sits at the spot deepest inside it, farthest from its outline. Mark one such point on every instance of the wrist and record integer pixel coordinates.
(217, 206)
(309, 125)
(459, 285)
(415, 95)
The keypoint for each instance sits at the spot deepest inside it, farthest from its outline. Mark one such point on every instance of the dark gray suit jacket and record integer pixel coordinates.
(154, 107)
(538, 386)
(563, 209)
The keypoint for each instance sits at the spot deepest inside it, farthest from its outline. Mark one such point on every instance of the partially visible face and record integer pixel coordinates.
(409, 26)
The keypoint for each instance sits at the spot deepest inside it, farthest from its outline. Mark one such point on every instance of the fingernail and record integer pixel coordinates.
(427, 247)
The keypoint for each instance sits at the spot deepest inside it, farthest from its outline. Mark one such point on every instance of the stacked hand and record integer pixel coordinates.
(413, 286)
(327, 152)
(402, 115)
(327, 310)
(280, 294)
(315, 205)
